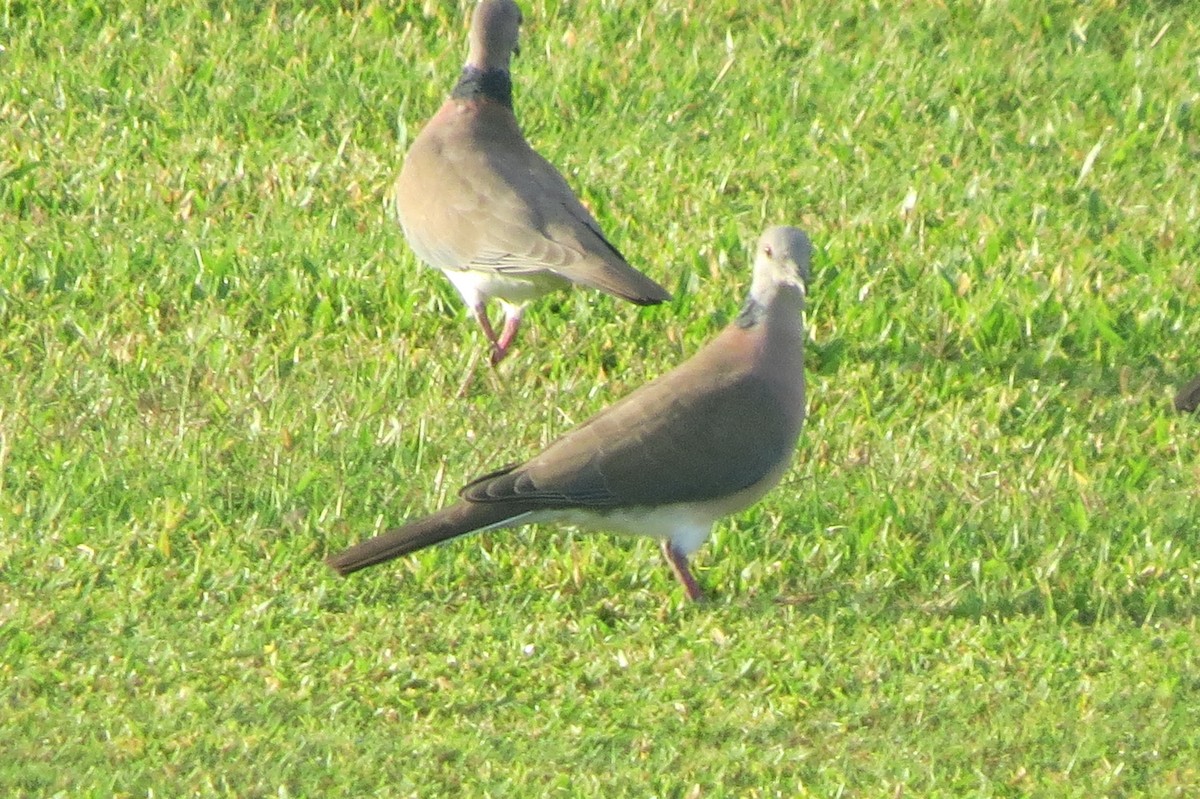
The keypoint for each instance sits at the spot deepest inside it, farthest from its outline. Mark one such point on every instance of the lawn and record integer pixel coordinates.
(219, 363)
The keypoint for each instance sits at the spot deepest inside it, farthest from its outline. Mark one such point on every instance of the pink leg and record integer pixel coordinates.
(481, 316)
(678, 563)
(512, 323)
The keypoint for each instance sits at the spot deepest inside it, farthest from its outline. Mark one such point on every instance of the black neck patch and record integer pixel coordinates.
(492, 84)
(752, 313)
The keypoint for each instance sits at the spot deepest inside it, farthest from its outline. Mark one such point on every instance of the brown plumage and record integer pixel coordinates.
(704, 440)
(477, 202)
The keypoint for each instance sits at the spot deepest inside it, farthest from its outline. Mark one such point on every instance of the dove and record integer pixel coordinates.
(476, 201)
(703, 441)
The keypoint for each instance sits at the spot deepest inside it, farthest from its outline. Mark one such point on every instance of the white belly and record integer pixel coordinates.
(515, 288)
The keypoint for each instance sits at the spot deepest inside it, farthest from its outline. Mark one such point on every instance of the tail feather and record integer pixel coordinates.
(615, 276)
(450, 522)
(627, 283)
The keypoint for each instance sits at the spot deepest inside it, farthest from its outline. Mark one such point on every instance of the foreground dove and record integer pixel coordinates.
(705, 440)
(478, 203)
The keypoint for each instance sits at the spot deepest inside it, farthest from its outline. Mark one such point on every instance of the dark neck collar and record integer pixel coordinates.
(492, 84)
(751, 314)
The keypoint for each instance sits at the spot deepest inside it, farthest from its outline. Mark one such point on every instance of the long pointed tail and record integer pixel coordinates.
(451, 522)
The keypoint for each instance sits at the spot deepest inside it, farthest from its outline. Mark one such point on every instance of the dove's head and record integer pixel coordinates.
(495, 33)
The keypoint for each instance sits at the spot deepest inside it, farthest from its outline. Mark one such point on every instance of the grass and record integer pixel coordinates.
(219, 362)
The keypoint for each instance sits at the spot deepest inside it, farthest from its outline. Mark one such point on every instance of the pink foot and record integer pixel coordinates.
(679, 565)
(499, 348)
(512, 323)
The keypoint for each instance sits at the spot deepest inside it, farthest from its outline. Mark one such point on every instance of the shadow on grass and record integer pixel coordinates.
(1065, 604)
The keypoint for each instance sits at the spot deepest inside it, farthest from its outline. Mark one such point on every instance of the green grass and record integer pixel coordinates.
(219, 362)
